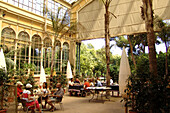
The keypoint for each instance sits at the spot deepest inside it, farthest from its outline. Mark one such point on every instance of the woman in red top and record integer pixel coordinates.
(86, 84)
(19, 90)
(27, 96)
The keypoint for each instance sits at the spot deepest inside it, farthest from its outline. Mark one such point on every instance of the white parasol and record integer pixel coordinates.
(69, 72)
(42, 76)
(2, 60)
(124, 72)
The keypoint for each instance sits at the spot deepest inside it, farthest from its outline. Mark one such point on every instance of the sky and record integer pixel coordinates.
(99, 43)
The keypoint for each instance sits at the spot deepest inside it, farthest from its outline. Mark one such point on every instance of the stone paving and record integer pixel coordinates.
(73, 104)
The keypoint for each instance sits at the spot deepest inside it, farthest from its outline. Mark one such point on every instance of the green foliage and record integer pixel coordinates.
(142, 64)
(22, 74)
(93, 62)
(114, 72)
(164, 32)
(58, 79)
(30, 79)
(47, 70)
(87, 59)
(121, 41)
(139, 42)
(4, 80)
(147, 94)
(90, 46)
(61, 27)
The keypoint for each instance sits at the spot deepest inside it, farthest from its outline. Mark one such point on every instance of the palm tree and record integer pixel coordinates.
(164, 34)
(107, 39)
(147, 15)
(61, 27)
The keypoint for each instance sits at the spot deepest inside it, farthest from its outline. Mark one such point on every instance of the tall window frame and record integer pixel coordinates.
(36, 53)
(22, 50)
(47, 52)
(65, 56)
(57, 58)
(8, 37)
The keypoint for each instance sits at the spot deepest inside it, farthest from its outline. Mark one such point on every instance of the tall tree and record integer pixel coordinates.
(147, 14)
(164, 34)
(107, 39)
(61, 27)
(131, 50)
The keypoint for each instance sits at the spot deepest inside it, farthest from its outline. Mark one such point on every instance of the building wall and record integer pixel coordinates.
(20, 20)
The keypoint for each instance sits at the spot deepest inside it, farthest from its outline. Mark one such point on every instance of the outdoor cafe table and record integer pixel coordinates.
(114, 88)
(98, 91)
(76, 88)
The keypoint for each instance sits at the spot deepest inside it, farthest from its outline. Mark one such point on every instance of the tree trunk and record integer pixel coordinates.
(148, 14)
(107, 42)
(131, 50)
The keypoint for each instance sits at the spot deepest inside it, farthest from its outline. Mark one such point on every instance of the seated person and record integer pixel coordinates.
(19, 90)
(71, 83)
(98, 83)
(111, 81)
(44, 92)
(26, 95)
(77, 82)
(91, 83)
(86, 84)
(57, 96)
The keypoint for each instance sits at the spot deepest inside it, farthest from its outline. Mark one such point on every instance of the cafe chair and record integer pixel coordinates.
(27, 108)
(54, 101)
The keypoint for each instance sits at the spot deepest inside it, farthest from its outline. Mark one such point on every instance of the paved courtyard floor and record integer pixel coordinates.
(73, 104)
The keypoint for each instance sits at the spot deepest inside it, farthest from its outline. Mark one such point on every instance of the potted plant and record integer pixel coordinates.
(58, 78)
(145, 94)
(4, 80)
(129, 95)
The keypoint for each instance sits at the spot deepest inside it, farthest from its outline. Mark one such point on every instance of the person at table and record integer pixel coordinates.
(86, 84)
(111, 81)
(91, 83)
(77, 82)
(19, 90)
(98, 83)
(71, 82)
(44, 92)
(57, 96)
(26, 95)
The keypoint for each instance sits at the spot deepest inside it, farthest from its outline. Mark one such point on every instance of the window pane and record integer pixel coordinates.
(36, 52)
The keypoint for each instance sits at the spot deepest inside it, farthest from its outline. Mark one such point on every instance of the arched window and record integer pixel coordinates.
(57, 58)
(47, 51)
(22, 49)
(65, 56)
(36, 53)
(8, 41)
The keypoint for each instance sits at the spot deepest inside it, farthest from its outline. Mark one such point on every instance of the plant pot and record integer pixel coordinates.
(3, 111)
(131, 111)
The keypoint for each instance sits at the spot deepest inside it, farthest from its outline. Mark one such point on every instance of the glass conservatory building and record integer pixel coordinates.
(27, 34)
(26, 31)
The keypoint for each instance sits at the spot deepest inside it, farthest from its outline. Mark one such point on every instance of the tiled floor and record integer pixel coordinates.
(74, 104)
